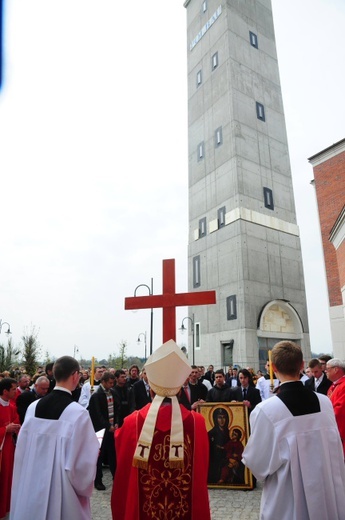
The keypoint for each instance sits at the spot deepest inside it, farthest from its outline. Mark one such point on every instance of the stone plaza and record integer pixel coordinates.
(225, 504)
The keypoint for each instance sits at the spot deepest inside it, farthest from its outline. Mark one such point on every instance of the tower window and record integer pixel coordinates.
(253, 39)
(200, 151)
(198, 78)
(260, 111)
(268, 198)
(196, 271)
(215, 61)
(221, 217)
(231, 307)
(218, 137)
(202, 227)
(204, 6)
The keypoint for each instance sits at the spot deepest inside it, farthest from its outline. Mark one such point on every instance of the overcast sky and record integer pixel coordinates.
(94, 165)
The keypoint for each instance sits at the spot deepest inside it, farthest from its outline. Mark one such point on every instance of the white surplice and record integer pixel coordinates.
(54, 467)
(300, 458)
(264, 386)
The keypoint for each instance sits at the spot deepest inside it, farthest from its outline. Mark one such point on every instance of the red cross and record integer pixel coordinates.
(169, 300)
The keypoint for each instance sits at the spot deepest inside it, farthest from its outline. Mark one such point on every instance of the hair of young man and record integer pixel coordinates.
(119, 372)
(325, 357)
(335, 362)
(64, 367)
(134, 366)
(107, 376)
(287, 357)
(245, 372)
(313, 363)
(6, 384)
(220, 371)
(193, 367)
(49, 366)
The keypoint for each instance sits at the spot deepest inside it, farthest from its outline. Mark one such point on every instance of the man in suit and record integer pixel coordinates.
(40, 389)
(193, 391)
(246, 393)
(139, 395)
(104, 408)
(319, 381)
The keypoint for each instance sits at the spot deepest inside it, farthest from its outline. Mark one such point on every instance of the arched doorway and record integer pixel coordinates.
(278, 321)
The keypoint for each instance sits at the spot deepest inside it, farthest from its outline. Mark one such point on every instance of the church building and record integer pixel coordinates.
(243, 236)
(329, 181)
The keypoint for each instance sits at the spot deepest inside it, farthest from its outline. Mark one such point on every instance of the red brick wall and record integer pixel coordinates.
(330, 191)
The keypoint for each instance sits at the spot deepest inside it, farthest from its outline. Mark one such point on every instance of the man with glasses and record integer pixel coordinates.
(335, 370)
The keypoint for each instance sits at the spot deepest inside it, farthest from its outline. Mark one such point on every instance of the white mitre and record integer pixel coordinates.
(167, 369)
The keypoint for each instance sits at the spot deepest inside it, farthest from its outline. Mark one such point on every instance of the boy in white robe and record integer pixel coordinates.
(56, 454)
(295, 448)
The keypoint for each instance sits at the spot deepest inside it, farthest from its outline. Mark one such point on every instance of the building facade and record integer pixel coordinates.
(329, 181)
(243, 237)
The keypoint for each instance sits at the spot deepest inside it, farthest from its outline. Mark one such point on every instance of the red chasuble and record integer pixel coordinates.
(336, 393)
(161, 492)
(8, 414)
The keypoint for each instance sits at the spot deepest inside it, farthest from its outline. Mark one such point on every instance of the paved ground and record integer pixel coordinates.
(225, 504)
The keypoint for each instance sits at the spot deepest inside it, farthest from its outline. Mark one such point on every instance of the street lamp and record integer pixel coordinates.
(2, 323)
(145, 344)
(151, 322)
(75, 350)
(183, 328)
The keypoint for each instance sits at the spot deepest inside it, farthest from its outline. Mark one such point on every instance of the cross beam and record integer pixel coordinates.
(169, 300)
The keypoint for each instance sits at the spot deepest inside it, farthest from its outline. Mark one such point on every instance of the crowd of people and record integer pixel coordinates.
(67, 401)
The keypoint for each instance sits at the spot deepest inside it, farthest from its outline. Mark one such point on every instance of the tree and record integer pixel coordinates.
(8, 356)
(31, 351)
(122, 358)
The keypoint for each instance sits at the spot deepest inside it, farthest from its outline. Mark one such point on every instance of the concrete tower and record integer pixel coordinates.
(243, 237)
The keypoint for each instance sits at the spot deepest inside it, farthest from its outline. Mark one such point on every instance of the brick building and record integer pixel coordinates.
(329, 180)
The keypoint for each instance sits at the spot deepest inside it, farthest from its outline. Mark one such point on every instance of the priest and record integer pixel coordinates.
(295, 447)
(162, 450)
(56, 455)
(9, 427)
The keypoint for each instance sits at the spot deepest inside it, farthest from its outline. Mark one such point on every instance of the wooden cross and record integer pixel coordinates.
(169, 300)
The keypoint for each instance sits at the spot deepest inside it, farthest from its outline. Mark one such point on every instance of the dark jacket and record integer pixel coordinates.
(138, 397)
(323, 386)
(253, 396)
(98, 409)
(220, 395)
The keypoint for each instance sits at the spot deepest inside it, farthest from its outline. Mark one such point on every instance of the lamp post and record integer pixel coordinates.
(145, 343)
(2, 323)
(75, 350)
(150, 289)
(183, 328)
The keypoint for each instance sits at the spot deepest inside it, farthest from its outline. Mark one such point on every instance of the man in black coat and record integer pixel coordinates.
(104, 408)
(246, 393)
(319, 381)
(220, 392)
(139, 394)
